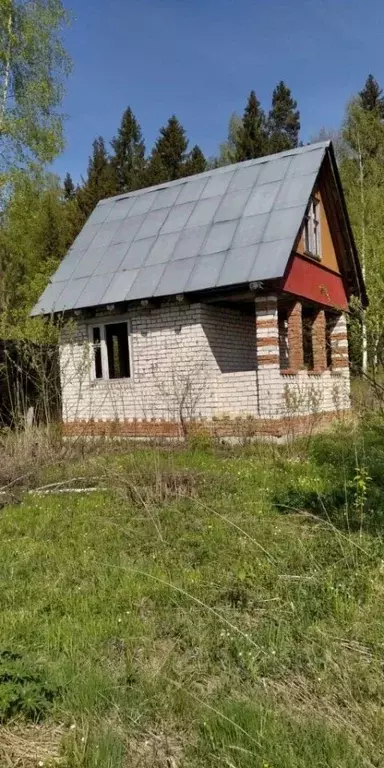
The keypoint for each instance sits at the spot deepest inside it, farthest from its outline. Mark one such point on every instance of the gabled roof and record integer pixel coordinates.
(228, 226)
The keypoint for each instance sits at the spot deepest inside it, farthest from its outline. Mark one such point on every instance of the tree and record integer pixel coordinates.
(69, 187)
(195, 162)
(100, 182)
(228, 150)
(362, 170)
(252, 139)
(169, 153)
(371, 97)
(33, 65)
(128, 161)
(283, 120)
(35, 235)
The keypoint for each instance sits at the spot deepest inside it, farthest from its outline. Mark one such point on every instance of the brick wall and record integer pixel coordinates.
(220, 363)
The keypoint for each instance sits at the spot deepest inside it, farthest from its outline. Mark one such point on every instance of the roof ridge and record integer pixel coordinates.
(220, 169)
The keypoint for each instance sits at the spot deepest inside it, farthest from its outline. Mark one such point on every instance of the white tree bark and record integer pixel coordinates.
(7, 69)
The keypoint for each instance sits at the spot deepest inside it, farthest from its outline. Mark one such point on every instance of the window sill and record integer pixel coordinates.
(289, 371)
(316, 373)
(313, 256)
(100, 382)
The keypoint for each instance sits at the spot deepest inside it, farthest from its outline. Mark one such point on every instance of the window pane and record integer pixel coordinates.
(116, 336)
(97, 353)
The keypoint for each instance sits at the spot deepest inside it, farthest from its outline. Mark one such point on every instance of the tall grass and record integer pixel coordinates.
(206, 606)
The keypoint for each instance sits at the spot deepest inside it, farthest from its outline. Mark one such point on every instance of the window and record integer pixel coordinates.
(111, 358)
(308, 316)
(312, 229)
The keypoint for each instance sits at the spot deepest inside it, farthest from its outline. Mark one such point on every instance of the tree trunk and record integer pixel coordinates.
(362, 259)
(7, 69)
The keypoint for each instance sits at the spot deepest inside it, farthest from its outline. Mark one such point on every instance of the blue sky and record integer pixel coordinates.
(200, 58)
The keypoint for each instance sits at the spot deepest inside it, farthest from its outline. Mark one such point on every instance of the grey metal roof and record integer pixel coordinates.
(227, 226)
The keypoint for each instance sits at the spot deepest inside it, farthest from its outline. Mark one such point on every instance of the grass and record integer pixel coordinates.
(211, 607)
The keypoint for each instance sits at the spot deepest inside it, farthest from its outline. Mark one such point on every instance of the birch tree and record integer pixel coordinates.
(362, 170)
(33, 67)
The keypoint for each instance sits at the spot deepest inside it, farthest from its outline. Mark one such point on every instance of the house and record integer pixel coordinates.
(217, 301)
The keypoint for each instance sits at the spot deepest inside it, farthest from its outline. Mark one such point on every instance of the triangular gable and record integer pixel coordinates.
(332, 278)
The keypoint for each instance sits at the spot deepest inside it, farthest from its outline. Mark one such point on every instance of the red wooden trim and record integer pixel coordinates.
(308, 280)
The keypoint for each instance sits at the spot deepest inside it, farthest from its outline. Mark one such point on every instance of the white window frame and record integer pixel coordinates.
(312, 229)
(102, 323)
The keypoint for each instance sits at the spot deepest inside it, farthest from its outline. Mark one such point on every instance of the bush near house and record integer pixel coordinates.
(204, 606)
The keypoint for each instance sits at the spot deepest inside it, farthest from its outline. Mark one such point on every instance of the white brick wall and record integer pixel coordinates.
(200, 356)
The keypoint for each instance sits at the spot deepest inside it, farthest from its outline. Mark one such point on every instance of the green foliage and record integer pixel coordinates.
(252, 139)
(187, 621)
(37, 228)
(371, 97)
(33, 65)
(100, 182)
(195, 163)
(167, 161)
(24, 691)
(228, 150)
(69, 187)
(128, 161)
(362, 171)
(283, 120)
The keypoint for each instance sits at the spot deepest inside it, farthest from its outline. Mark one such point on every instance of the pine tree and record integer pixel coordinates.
(371, 96)
(169, 153)
(195, 162)
(283, 120)
(100, 181)
(69, 187)
(128, 161)
(252, 139)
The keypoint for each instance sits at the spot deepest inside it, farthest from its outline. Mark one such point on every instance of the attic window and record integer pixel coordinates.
(110, 344)
(312, 229)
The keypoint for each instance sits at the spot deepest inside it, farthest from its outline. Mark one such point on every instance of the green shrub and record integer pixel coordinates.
(23, 691)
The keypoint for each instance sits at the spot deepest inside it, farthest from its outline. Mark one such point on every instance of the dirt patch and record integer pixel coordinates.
(26, 746)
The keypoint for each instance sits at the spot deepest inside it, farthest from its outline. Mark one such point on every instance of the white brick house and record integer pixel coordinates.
(215, 303)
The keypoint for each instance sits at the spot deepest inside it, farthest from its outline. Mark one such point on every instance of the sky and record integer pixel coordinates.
(199, 59)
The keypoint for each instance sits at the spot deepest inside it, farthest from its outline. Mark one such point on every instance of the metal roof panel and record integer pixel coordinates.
(237, 265)
(214, 222)
(146, 282)
(175, 277)
(206, 272)
(119, 286)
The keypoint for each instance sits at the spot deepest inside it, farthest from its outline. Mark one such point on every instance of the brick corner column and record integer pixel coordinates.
(339, 344)
(295, 337)
(267, 332)
(319, 343)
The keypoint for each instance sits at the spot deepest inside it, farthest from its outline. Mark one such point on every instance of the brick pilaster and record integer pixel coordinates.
(339, 344)
(319, 343)
(295, 337)
(267, 332)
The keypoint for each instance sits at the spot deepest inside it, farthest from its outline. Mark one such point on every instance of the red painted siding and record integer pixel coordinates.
(308, 280)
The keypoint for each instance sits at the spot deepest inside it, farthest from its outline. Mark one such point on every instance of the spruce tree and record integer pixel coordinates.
(195, 162)
(69, 187)
(283, 120)
(100, 182)
(371, 97)
(169, 153)
(252, 139)
(128, 161)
